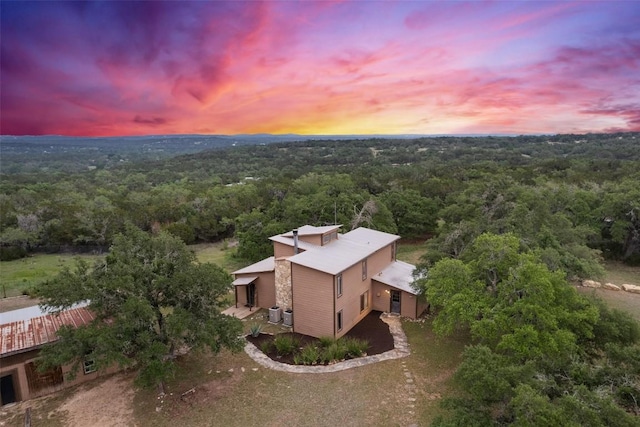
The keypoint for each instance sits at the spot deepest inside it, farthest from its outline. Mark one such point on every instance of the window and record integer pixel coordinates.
(340, 320)
(393, 251)
(326, 238)
(364, 301)
(339, 285)
(89, 366)
(364, 270)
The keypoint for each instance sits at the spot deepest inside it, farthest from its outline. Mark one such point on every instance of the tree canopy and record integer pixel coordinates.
(572, 197)
(542, 353)
(151, 302)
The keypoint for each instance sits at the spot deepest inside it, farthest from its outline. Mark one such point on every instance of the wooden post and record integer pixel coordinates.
(27, 417)
(235, 290)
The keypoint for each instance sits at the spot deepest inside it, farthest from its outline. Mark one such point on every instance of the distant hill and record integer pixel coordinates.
(55, 153)
(73, 154)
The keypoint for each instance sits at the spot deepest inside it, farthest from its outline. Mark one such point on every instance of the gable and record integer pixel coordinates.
(346, 251)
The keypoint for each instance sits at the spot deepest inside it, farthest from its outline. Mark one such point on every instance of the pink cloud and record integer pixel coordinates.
(235, 67)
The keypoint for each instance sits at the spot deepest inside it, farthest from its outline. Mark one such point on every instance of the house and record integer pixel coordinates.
(22, 334)
(329, 281)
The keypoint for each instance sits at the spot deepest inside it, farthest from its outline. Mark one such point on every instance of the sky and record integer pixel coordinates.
(332, 67)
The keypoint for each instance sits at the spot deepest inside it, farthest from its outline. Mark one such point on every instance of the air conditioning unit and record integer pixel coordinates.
(287, 318)
(275, 314)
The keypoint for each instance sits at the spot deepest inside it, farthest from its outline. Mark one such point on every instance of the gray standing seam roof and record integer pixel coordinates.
(399, 275)
(310, 230)
(347, 250)
(267, 264)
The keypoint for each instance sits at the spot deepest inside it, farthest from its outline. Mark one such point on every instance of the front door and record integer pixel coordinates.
(395, 302)
(251, 294)
(7, 392)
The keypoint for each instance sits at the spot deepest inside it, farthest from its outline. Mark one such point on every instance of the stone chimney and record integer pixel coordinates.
(283, 283)
(295, 241)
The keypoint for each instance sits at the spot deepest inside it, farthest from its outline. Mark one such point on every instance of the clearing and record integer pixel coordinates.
(233, 390)
(19, 275)
(618, 273)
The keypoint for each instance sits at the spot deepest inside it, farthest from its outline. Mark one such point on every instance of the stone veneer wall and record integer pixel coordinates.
(283, 283)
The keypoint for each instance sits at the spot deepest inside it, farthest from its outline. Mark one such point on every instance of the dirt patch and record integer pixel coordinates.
(16, 303)
(176, 404)
(371, 328)
(107, 404)
(620, 300)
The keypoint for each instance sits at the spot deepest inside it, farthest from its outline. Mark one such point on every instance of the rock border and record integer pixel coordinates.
(400, 344)
(633, 289)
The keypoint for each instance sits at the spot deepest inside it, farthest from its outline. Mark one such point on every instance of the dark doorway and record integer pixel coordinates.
(395, 302)
(251, 294)
(7, 390)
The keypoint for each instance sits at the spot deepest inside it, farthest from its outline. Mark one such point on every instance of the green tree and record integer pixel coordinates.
(505, 296)
(414, 215)
(151, 302)
(546, 355)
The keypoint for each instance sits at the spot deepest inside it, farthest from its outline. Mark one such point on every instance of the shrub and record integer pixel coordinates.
(326, 341)
(333, 353)
(255, 329)
(308, 356)
(285, 344)
(9, 253)
(355, 347)
(265, 347)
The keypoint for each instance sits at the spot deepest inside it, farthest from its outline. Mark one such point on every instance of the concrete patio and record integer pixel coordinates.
(240, 312)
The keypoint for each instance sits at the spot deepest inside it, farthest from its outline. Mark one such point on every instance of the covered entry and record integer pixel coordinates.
(245, 291)
(393, 291)
(7, 390)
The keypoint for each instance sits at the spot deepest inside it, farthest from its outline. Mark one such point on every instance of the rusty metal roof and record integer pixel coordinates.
(25, 335)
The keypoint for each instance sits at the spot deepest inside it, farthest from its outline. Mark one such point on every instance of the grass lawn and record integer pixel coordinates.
(618, 273)
(19, 275)
(232, 390)
(411, 252)
(218, 253)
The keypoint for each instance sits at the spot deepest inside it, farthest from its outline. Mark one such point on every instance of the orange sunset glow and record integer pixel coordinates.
(137, 68)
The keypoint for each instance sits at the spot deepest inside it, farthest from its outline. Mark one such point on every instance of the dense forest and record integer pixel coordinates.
(507, 221)
(572, 197)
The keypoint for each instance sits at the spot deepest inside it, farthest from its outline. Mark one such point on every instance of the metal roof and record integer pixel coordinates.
(310, 230)
(24, 335)
(344, 252)
(243, 281)
(31, 312)
(399, 275)
(267, 264)
(302, 245)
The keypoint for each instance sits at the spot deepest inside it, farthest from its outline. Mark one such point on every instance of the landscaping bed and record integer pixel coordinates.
(372, 330)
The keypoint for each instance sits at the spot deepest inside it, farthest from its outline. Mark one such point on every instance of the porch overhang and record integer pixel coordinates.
(244, 281)
(398, 275)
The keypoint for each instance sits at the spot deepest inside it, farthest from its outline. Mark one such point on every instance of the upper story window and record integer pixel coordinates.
(339, 285)
(364, 270)
(327, 238)
(393, 251)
